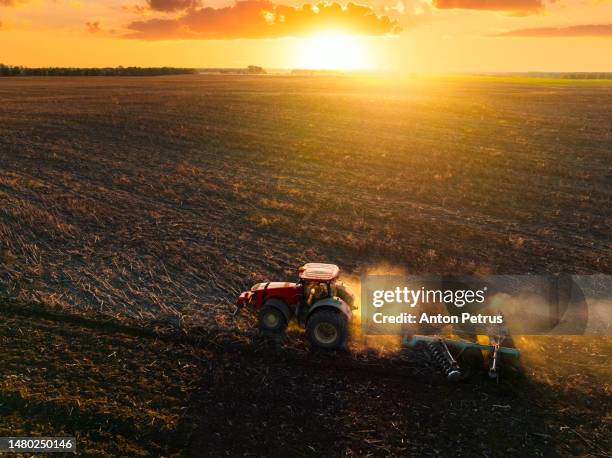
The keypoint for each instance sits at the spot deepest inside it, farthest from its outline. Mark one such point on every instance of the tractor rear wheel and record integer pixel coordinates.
(327, 329)
(272, 320)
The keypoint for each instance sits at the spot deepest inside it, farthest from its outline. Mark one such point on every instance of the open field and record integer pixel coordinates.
(155, 201)
(135, 194)
(124, 390)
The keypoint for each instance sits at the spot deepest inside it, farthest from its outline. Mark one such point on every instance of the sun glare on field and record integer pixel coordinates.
(331, 51)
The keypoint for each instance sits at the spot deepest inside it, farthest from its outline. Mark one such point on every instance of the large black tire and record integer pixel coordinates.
(327, 329)
(271, 320)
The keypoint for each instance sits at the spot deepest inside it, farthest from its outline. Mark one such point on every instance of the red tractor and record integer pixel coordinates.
(318, 301)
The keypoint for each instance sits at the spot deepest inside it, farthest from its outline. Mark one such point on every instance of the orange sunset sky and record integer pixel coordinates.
(389, 35)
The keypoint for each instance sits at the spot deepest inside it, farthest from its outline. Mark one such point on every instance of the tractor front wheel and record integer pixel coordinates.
(272, 320)
(327, 329)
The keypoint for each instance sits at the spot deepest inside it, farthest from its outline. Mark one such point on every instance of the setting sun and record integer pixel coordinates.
(329, 51)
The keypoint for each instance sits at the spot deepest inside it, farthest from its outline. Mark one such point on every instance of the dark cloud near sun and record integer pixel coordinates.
(264, 19)
(93, 27)
(10, 2)
(491, 5)
(173, 5)
(586, 30)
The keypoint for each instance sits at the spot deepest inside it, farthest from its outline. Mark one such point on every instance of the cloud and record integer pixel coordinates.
(173, 5)
(93, 27)
(136, 9)
(264, 19)
(587, 30)
(491, 5)
(10, 2)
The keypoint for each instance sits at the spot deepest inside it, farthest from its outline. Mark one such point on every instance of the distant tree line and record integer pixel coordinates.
(250, 70)
(8, 70)
(588, 76)
(563, 75)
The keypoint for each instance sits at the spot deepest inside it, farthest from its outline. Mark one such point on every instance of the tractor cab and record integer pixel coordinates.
(318, 281)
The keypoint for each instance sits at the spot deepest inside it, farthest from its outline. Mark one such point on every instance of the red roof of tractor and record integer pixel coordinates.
(317, 271)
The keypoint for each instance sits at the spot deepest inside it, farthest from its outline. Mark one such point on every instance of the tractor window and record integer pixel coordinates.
(343, 293)
(315, 291)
